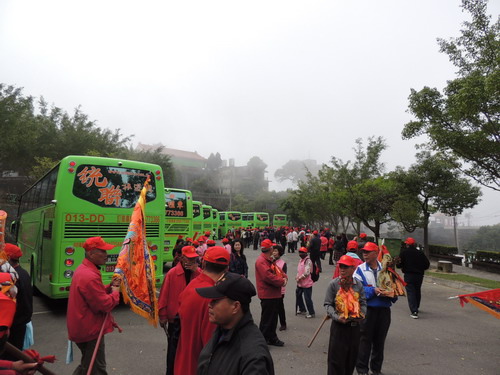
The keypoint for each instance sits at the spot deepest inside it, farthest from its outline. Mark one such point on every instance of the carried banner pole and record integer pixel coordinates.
(317, 331)
(91, 365)
(15, 352)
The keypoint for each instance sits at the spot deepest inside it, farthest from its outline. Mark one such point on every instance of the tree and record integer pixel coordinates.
(214, 162)
(296, 170)
(434, 184)
(486, 238)
(463, 122)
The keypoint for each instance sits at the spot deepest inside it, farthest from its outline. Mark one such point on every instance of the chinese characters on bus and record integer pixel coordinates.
(112, 194)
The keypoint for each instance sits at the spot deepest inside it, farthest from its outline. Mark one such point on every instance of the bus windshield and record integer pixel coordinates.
(234, 216)
(196, 210)
(176, 204)
(107, 186)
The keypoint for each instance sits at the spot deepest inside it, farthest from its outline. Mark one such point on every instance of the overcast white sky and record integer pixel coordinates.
(277, 79)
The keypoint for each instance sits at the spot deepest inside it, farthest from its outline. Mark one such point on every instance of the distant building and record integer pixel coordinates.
(189, 165)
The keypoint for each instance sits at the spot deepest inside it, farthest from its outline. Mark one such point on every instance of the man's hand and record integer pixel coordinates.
(116, 281)
(342, 320)
(24, 368)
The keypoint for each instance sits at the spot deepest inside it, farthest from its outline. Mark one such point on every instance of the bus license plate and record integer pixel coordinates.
(110, 267)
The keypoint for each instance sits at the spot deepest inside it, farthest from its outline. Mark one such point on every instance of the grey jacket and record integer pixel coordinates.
(331, 293)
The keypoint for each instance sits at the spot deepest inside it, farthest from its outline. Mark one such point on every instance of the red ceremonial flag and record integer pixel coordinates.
(136, 268)
(488, 301)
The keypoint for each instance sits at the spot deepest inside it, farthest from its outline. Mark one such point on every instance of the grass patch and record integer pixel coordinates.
(490, 284)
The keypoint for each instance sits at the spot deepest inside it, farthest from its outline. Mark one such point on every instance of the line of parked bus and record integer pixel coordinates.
(84, 196)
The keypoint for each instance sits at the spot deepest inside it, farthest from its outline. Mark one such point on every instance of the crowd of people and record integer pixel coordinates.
(204, 302)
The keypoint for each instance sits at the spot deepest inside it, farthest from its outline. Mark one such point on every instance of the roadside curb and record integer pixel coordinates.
(468, 287)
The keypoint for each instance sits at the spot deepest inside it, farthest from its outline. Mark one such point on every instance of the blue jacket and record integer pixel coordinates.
(369, 279)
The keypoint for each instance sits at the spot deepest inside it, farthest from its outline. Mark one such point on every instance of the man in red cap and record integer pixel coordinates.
(24, 298)
(196, 328)
(345, 328)
(89, 304)
(375, 327)
(269, 281)
(174, 283)
(414, 263)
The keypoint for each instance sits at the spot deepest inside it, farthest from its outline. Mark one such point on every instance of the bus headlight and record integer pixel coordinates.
(69, 262)
(68, 274)
(153, 247)
(70, 250)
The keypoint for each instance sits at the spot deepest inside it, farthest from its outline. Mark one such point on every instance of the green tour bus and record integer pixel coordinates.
(208, 221)
(197, 219)
(255, 219)
(247, 220)
(280, 220)
(215, 223)
(261, 219)
(82, 197)
(229, 220)
(178, 219)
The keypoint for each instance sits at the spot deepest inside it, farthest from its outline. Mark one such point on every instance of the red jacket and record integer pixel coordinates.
(6, 368)
(268, 282)
(196, 329)
(89, 301)
(324, 244)
(173, 285)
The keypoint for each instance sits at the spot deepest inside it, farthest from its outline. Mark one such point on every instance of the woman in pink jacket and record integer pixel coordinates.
(304, 285)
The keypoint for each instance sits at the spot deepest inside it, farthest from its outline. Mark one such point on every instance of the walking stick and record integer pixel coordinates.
(317, 331)
(91, 365)
(15, 352)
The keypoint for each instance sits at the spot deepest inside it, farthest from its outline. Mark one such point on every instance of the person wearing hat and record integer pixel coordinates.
(413, 263)
(196, 329)
(174, 283)
(24, 298)
(237, 345)
(345, 304)
(352, 247)
(7, 312)
(304, 285)
(269, 280)
(89, 303)
(227, 245)
(375, 327)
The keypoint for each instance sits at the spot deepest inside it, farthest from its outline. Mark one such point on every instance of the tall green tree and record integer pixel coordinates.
(463, 121)
(434, 184)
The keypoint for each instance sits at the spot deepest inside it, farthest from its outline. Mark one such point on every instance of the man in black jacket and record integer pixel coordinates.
(414, 263)
(314, 249)
(237, 345)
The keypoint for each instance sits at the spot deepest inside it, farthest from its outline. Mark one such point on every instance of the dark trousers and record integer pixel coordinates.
(316, 259)
(269, 318)
(343, 348)
(16, 338)
(173, 331)
(281, 311)
(413, 287)
(290, 247)
(307, 293)
(330, 261)
(373, 333)
(87, 349)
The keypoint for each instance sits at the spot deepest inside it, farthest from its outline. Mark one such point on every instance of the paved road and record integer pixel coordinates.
(447, 339)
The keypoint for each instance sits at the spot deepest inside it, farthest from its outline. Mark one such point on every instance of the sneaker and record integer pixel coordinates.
(414, 315)
(301, 312)
(309, 316)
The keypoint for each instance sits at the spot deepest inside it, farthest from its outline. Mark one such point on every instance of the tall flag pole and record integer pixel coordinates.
(135, 266)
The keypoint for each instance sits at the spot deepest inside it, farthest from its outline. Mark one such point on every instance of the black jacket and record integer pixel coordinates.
(413, 261)
(24, 308)
(239, 351)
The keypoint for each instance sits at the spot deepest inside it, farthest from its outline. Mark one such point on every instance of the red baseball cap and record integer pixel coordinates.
(315, 232)
(303, 250)
(189, 252)
(217, 254)
(96, 243)
(352, 245)
(211, 242)
(207, 233)
(13, 251)
(202, 239)
(409, 241)
(362, 235)
(225, 240)
(347, 260)
(266, 244)
(370, 246)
